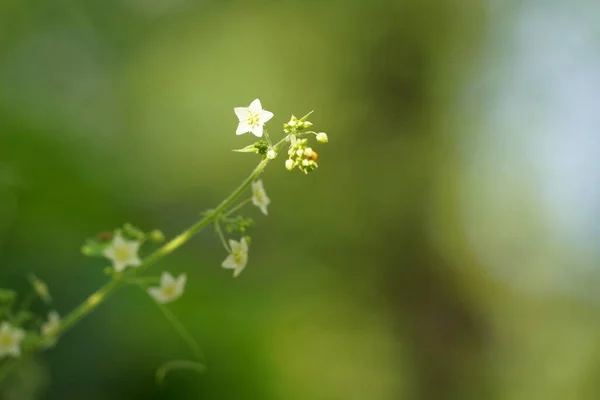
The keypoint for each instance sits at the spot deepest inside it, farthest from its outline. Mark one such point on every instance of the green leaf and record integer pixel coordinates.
(248, 149)
(93, 248)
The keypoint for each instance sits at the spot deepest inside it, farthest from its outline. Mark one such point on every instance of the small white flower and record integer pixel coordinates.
(50, 327)
(259, 196)
(10, 340)
(271, 154)
(238, 258)
(252, 118)
(123, 253)
(170, 288)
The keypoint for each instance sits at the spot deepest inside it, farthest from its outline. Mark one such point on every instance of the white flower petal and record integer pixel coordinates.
(166, 279)
(255, 106)
(229, 263)
(181, 281)
(265, 116)
(257, 185)
(244, 245)
(233, 245)
(242, 128)
(119, 266)
(135, 261)
(263, 208)
(238, 271)
(157, 294)
(118, 241)
(109, 252)
(14, 351)
(242, 113)
(257, 130)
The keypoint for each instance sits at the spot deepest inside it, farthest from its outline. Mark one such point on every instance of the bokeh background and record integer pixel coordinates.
(447, 248)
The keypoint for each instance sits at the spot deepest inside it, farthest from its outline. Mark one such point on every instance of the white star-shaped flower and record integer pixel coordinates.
(10, 340)
(123, 253)
(259, 196)
(170, 288)
(238, 258)
(50, 327)
(252, 118)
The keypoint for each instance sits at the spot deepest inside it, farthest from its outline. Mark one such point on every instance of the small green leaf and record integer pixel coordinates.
(248, 149)
(93, 248)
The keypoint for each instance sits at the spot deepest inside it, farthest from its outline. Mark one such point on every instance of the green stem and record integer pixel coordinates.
(236, 208)
(182, 332)
(221, 235)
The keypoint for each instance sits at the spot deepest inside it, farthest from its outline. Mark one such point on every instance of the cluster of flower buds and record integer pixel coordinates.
(295, 125)
(300, 154)
(238, 224)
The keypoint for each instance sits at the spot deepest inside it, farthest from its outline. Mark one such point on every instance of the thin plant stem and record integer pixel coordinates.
(221, 235)
(237, 207)
(185, 335)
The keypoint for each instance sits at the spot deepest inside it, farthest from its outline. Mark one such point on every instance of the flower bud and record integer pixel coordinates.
(157, 236)
(305, 163)
(289, 164)
(308, 152)
(299, 152)
(40, 288)
(322, 137)
(271, 154)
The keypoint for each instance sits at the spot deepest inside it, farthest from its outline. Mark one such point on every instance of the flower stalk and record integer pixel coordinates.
(122, 246)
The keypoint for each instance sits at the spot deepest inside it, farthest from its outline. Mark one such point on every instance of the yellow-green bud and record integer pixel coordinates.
(299, 152)
(157, 236)
(271, 154)
(308, 152)
(305, 163)
(40, 288)
(322, 137)
(289, 164)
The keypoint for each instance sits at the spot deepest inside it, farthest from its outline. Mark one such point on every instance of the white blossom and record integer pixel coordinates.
(10, 340)
(238, 258)
(252, 118)
(170, 288)
(123, 253)
(259, 196)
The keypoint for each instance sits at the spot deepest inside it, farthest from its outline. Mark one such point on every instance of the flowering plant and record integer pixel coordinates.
(22, 334)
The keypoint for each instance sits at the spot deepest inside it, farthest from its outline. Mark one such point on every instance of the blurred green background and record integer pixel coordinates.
(447, 247)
